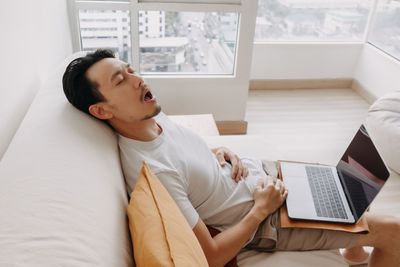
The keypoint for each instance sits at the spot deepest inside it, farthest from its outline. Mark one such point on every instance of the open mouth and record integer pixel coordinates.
(148, 96)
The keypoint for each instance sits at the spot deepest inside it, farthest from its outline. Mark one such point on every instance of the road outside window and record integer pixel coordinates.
(187, 42)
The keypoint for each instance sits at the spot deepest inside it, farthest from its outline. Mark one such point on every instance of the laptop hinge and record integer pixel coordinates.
(347, 194)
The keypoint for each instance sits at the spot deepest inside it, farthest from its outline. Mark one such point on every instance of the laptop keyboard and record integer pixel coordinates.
(325, 193)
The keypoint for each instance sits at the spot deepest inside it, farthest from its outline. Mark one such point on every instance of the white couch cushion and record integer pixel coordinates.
(62, 192)
(383, 124)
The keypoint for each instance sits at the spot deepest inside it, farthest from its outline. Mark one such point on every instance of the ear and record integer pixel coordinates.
(101, 111)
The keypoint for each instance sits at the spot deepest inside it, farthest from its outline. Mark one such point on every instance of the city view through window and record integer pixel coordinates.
(106, 29)
(184, 42)
(187, 42)
(311, 20)
(205, 42)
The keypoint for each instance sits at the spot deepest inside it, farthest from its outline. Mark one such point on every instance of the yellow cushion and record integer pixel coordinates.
(161, 236)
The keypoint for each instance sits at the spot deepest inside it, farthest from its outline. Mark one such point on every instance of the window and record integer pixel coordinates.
(312, 20)
(385, 31)
(195, 37)
(194, 1)
(193, 42)
(106, 29)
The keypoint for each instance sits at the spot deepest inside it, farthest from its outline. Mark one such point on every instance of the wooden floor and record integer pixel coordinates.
(314, 125)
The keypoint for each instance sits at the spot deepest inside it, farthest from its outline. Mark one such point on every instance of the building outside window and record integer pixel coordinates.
(190, 42)
(312, 20)
(169, 41)
(106, 29)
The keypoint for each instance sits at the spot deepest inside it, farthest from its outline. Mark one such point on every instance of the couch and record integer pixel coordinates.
(383, 123)
(63, 198)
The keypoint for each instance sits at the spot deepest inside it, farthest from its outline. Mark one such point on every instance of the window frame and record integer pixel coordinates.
(242, 57)
(371, 42)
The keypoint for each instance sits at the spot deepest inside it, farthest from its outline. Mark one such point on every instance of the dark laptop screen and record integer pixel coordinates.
(362, 172)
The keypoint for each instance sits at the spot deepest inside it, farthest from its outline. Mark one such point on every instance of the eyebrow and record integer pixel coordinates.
(118, 72)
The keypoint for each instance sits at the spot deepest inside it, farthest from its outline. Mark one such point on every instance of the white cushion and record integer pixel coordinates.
(62, 191)
(383, 124)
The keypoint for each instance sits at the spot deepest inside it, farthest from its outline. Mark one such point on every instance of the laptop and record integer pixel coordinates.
(336, 194)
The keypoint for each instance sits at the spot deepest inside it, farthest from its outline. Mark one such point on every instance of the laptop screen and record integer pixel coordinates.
(362, 172)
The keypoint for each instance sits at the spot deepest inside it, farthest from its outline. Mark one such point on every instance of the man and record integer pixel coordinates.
(210, 187)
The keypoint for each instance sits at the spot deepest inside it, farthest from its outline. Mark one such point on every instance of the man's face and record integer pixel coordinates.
(127, 96)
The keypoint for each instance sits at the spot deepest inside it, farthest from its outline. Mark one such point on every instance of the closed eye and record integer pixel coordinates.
(120, 81)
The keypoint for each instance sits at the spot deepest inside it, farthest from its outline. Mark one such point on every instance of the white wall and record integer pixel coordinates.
(35, 37)
(275, 61)
(377, 72)
(226, 101)
(224, 97)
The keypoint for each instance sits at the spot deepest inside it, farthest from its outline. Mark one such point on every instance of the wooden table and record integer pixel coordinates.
(202, 124)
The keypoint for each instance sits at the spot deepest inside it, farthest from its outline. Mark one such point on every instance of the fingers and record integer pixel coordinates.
(236, 171)
(238, 168)
(221, 158)
(260, 184)
(278, 184)
(285, 194)
(270, 180)
(240, 172)
(245, 171)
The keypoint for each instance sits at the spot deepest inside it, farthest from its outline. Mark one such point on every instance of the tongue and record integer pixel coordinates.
(147, 96)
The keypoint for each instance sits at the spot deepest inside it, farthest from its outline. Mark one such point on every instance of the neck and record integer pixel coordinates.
(146, 130)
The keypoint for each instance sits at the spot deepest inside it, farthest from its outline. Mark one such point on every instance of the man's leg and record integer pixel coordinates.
(356, 254)
(384, 236)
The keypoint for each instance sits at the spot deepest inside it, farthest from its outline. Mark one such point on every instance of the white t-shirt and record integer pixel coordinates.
(192, 175)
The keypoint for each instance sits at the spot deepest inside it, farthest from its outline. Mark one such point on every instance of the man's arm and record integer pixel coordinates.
(224, 246)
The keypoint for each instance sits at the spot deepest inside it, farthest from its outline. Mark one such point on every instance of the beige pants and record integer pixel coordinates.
(271, 237)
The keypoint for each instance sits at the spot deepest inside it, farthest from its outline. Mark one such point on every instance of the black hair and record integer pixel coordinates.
(79, 90)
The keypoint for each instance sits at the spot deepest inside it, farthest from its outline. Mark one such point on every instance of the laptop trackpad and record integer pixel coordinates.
(299, 201)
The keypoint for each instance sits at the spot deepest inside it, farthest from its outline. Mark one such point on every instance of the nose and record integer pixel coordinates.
(137, 81)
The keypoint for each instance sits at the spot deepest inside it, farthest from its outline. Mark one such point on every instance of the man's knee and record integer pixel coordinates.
(383, 230)
(393, 225)
(386, 223)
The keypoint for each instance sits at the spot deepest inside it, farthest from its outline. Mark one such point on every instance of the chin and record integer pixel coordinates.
(155, 113)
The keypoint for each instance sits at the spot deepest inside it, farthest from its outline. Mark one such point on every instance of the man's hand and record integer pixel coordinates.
(268, 198)
(223, 155)
(223, 247)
